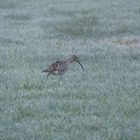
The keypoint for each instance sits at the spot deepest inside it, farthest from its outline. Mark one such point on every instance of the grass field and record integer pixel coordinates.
(101, 103)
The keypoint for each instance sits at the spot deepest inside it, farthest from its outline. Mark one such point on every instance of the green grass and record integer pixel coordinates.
(101, 103)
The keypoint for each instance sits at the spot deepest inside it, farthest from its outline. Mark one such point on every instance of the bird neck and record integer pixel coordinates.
(69, 61)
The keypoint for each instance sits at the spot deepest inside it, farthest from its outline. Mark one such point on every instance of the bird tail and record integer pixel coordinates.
(44, 70)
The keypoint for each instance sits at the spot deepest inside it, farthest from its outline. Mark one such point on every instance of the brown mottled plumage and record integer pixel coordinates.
(60, 67)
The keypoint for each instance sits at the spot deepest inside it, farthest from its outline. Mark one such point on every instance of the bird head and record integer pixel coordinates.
(75, 58)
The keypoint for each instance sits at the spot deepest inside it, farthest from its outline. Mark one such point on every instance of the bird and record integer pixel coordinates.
(61, 66)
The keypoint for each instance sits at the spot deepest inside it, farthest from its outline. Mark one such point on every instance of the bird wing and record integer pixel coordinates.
(54, 66)
(57, 67)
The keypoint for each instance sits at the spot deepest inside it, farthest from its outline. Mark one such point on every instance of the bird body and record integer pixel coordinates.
(60, 67)
(57, 68)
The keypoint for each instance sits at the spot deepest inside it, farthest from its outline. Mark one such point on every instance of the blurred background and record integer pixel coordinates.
(101, 103)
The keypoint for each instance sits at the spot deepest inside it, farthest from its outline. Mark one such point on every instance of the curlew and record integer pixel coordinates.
(61, 66)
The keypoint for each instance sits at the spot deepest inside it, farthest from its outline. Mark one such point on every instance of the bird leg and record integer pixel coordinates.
(48, 75)
(61, 81)
(61, 78)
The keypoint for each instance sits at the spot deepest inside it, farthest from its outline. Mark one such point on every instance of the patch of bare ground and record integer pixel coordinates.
(132, 41)
(127, 41)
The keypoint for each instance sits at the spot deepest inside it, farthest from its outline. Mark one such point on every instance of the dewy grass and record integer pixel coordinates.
(101, 103)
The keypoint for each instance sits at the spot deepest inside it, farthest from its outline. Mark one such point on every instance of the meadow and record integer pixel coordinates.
(101, 103)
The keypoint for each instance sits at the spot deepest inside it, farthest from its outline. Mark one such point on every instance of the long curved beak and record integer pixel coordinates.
(80, 64)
